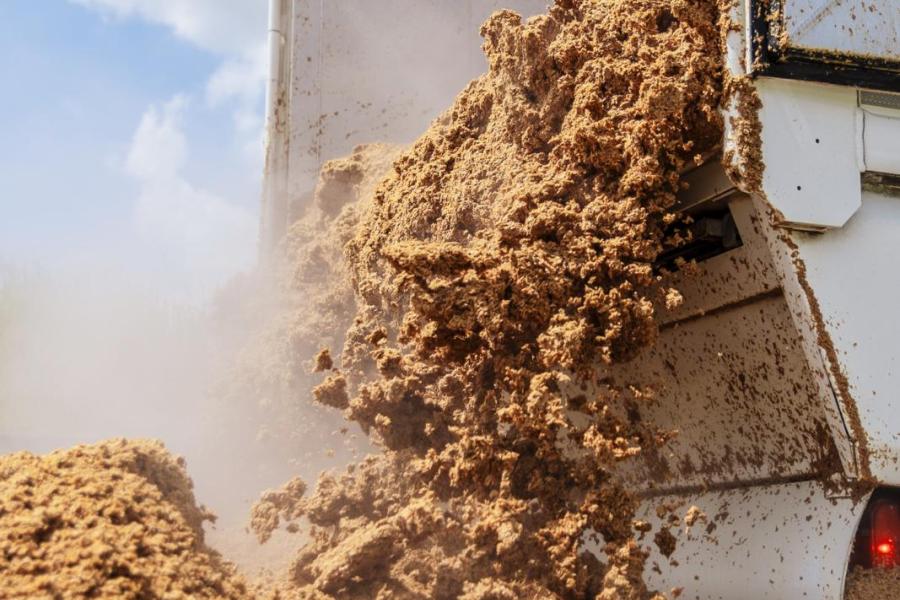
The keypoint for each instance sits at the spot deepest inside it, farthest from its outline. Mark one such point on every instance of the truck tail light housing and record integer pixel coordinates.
(877, 542)
(885, 537)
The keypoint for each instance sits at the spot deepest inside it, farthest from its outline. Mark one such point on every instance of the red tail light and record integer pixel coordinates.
(885, 533)
(877, 543)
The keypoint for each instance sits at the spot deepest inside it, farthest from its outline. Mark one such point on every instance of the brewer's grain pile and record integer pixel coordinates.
(112, 520)
(506, 258)
(873, 584)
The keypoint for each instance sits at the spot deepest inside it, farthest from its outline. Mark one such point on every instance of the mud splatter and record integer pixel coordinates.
(694, 515)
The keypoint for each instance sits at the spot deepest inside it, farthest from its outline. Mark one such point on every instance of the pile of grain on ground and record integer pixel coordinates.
(873, 584)
(112, 520)
(506, 258)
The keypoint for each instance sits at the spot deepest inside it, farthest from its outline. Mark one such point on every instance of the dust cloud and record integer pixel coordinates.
(94, 355)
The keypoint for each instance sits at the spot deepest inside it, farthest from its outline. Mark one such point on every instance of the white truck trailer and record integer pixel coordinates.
(781, 368)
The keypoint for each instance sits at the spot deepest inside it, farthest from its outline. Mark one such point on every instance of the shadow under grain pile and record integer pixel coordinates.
(502, 263)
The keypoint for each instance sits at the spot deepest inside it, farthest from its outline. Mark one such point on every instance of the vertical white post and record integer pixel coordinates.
(273, 219)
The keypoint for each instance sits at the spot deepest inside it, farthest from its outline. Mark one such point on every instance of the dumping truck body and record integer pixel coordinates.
(782, 365)
(780, 369)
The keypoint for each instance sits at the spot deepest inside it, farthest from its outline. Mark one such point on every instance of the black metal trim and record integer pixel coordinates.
(771, 60)
(761, 50)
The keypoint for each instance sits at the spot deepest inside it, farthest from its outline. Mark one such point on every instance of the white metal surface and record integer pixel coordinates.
(277, 40)
(853, 273)
(730, 373)
(781, 542)
(274, 214)
(809, 138)
(864, 28)
(839, 284)
(881, 140)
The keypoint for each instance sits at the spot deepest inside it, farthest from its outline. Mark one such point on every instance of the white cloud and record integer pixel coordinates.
(234, 29)
(241, 81)
(159, 149)
(240, 77)
(207, 236)
(228, 27)
(200, 232)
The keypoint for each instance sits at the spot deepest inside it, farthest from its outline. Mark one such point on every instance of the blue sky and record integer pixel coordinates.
(130, 161)
(130, 138)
